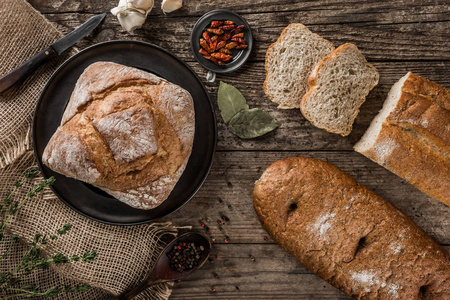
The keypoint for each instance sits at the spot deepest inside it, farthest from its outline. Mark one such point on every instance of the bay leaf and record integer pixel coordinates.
(251, 123)
(230, 101)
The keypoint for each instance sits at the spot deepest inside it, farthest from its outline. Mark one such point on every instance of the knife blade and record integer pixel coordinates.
(19, 74)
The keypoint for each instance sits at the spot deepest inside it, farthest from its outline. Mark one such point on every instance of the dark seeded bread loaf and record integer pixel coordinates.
(348, 235)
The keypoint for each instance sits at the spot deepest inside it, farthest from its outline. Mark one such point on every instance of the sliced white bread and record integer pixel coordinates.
(338, 86)
(289, 62)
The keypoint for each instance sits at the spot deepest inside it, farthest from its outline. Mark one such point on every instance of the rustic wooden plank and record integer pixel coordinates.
(227, 194)
(342, 11)
(295, 133)
(254, 272)
(407, 33)
(298, 134)
(383, 42)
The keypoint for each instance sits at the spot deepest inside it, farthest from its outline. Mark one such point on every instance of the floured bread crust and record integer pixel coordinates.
(348, 235)
(125, 131)
(411, 135)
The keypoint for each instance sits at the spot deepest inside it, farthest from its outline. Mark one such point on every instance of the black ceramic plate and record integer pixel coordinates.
(93, 202)
(239, 56)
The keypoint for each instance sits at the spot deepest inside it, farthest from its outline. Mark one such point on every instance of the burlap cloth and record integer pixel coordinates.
(125, 254)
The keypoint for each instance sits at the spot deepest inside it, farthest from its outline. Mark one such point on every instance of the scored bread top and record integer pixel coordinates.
(338, 86)
(411, 135)
(289, 61)
(125, 131)
(347, 234)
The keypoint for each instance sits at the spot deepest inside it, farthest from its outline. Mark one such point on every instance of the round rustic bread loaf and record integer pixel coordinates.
(348, 235)
(125, 131)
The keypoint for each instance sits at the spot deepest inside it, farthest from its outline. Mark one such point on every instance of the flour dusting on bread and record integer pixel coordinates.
(384, 149)
(410, 136)
(369, 250)
(125, 131)
(322, 225)
(366, 279)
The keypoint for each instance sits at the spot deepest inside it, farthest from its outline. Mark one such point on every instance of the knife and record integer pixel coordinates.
(19, 74)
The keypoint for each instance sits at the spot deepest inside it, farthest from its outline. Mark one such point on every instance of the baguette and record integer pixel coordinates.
(411, 135)
(348, 235)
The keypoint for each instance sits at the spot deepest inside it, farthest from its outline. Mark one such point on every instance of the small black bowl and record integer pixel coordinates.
(239, 56)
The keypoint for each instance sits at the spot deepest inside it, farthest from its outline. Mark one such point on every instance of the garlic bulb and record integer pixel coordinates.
(169, 6)
(132, 13)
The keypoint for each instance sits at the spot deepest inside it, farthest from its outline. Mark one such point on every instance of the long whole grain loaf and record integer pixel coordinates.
(411, 135)
(348, 235)
(125, 131)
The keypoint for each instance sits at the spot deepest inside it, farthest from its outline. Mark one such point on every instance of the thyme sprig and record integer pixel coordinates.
(10, 282)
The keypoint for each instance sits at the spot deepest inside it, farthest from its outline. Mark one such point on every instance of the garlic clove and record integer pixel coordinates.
(169, 6)
(132, 13)
(145, 5)
(131, 20)
(122, 6)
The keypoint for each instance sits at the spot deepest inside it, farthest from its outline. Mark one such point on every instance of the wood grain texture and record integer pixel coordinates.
(257, 271)
(378, 41)
(396, 36)
(227, 196)
(229, 188)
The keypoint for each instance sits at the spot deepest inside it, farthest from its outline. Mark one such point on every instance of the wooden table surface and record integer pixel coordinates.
(395, 36)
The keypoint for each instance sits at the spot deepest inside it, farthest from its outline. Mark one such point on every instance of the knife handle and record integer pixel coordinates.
(19, 74)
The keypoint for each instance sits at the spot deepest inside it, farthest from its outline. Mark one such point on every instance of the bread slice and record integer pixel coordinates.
(338, 86)
(289, 62)
(411, 135)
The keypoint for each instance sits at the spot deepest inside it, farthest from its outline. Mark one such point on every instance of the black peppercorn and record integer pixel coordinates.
(184, 256)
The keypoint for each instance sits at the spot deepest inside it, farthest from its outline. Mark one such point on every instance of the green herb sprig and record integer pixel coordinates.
(10, 282)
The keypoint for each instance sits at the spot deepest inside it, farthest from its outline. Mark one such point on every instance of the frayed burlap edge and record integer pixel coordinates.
(19, 14)
(126, 254)
(20, 22)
